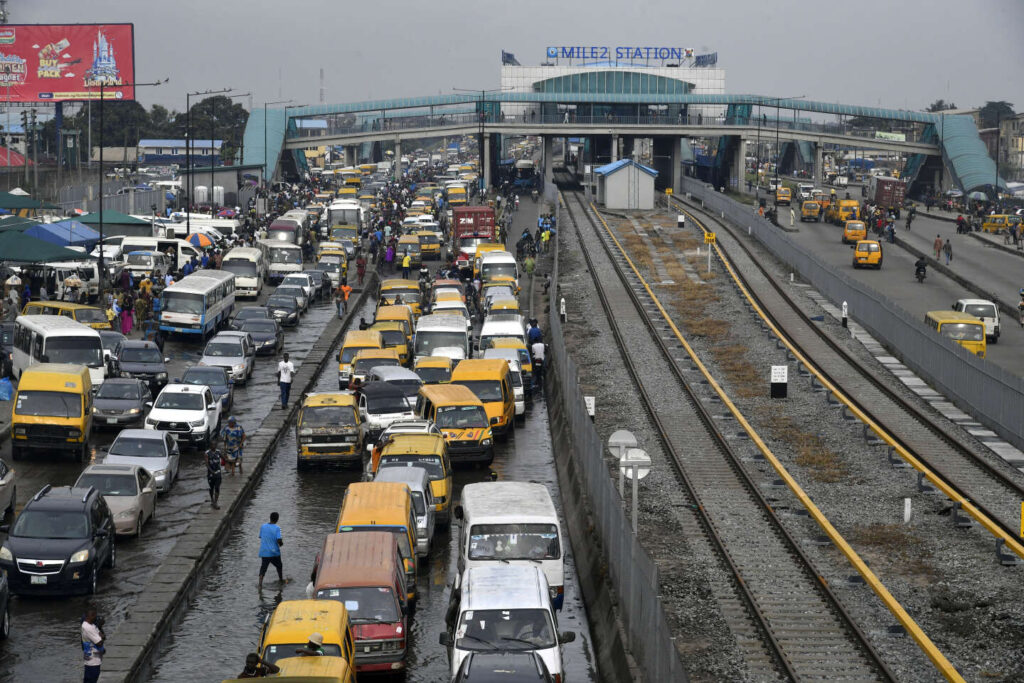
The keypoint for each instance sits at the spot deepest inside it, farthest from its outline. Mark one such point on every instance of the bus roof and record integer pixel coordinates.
(473, 368)
(54, 377)
(369, 503)
(367, 338)
(441, 322)
(409, 444)
(201, 282)
(504, 586)
(363, 559)
(508, 501)
(294, 620)
(953, 317)
(329, 398)
(450, 394)
(56, 325)
(242, 252)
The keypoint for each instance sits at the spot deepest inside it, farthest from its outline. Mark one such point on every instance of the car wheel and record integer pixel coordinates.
(5, 623)
(138, 527)
(10, 506)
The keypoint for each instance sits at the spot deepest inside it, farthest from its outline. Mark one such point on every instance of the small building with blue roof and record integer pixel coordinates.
(625, 184)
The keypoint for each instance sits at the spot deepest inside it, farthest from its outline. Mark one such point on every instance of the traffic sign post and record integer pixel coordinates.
(709, 239)
(636, 465)
(618, 444)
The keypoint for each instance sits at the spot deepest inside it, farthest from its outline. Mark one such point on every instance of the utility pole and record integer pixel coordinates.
(35, 156)
(188, 151)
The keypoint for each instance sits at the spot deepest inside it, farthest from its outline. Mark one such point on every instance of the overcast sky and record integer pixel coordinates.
(870, 52)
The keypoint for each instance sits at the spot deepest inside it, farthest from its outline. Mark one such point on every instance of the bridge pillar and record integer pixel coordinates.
(549, 162)
(819, 163)
(351, 152)
(615, 148)
(737, 174)
(676, 177)
(397, 165)
(487, 162)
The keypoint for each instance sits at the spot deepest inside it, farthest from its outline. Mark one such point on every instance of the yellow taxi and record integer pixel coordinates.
(90, 316)
(434, 369)
(293, 621)
(329, 429)
(853, 231)
(867, 254)
(393, 334)
(783, 195)
(427, 451)
(810, 211)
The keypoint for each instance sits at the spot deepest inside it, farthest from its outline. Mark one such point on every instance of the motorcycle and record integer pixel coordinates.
(920, 273)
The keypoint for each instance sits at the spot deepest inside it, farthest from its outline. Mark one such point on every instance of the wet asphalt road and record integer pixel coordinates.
(45, 642)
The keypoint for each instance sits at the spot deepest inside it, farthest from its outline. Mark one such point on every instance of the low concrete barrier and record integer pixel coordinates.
(165, 599)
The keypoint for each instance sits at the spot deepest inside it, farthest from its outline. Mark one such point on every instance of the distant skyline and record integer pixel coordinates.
(873, 52)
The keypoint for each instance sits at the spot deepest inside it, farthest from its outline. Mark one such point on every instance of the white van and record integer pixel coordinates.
(249, 268)
(511, 522)
(498, 264)
(281, 258)
(181, 251)
(501, 325)
(441, 335)
(500, 605)
(984, 309)
(56, 339)
(140, 263)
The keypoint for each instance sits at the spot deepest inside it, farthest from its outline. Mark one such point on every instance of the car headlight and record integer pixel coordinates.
(159, 474)
(21, 431)
(95, 410)
(238, 368)
(80, 556)
(74, 433)
(6, 554)
(197, 423)
(161, 375)
(135, 411)
(124, 514)
(486, 442)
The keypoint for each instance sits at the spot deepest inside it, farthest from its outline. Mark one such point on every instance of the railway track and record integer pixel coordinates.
(991, 491)
(790, 624)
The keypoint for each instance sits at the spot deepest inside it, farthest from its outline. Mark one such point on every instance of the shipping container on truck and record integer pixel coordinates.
(887, 192)
(471, 225)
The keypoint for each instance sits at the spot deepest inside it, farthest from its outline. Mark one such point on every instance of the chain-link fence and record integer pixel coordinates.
(632, 573)
(992, 394)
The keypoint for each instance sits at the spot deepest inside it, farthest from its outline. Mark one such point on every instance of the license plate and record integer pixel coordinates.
(111, 420)
(180, 330)
(38, 579)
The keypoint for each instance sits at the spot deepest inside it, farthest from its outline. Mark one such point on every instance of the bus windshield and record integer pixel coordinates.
(183, 302)
(242, 267)
(76, 350)
(489, 271)
(963, 331)
(461, 417)
(279, 255)
(485, 389)
(328, 416)
(514, 542)
(428, 340)
(48, 404)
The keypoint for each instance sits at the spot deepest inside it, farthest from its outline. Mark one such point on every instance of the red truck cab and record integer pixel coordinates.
(471, 225)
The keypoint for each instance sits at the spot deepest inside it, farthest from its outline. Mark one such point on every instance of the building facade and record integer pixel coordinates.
(1011, 147)
(166, 152)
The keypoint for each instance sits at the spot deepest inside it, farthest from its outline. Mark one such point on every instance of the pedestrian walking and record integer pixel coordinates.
(92, 645)
(406, 265)
(341, 296)
(285, 370)
(270, 548)
(234, 442)
(947, 249)
(214, 475)
(792, 217)
(361, 269)
(937, 246)
(529, 264)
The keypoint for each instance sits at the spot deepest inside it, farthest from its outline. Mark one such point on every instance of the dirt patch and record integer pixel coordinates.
(898, 546)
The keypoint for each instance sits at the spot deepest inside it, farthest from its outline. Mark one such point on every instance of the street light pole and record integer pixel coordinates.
(121, 85)
(188, 151)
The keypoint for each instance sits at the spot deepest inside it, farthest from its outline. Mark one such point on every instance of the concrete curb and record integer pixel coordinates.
(166, 598)
(1004, 306)
(995, 245)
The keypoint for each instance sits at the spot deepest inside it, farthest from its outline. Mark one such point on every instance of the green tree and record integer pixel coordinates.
(219, 118)
(164, 123)
(940, 105)
(993, 112)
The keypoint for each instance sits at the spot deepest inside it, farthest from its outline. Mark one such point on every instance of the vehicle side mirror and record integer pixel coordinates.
(444, 639)
(494, 420)
(167, 360)
(458, 512)
(148, 404)
(100, 533)
(567, 637)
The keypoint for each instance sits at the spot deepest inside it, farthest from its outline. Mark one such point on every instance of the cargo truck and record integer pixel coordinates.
(886, 192)
(471, 225)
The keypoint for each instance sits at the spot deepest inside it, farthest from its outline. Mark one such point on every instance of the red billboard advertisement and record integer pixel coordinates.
(59, 62)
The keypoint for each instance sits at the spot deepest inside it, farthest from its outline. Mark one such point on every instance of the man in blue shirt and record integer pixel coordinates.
(270, 548)
(534, 334)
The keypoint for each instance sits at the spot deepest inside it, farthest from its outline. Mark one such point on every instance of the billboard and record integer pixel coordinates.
(58, 62)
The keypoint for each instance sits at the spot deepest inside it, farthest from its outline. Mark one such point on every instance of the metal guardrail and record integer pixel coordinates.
(631, 571)
(992, 394)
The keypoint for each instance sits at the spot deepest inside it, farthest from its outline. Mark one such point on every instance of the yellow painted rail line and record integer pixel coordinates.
(923, 641)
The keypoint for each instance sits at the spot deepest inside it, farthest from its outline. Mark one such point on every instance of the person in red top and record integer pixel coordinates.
(361, 268)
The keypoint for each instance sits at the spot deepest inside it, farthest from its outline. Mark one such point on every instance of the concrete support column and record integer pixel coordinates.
(615, 148)
(677, 166)
(549, 162)
(351, 152)
(398, 158)
(487, 162)
(818, 164)
(738, 168)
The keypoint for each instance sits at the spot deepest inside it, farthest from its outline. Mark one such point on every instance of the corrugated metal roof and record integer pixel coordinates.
(608, 169)
(966, 153)
(197, 143)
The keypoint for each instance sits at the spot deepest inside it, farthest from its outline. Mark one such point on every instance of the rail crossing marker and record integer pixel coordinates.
(636, 465)
(709, 239)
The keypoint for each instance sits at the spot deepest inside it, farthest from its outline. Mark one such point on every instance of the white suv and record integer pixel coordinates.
(190, 413)
(984, 309)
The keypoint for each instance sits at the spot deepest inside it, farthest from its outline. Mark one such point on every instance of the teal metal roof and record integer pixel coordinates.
(966, 154)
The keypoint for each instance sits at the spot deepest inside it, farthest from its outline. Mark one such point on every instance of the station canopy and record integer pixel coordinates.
(17, 247)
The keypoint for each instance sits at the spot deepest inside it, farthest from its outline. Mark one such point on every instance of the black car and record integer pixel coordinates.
(6, 349)
(109, 340)
(59, 542)
(321, 283)
(222, 386)
(121, 402)
(284, 309)
(266, 335)
(247, 313)
(140, 360)
(502, 667)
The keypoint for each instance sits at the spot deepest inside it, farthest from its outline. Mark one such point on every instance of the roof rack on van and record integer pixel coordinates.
(42, 492)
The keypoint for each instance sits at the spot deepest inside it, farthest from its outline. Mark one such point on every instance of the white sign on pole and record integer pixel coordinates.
(780, 374)
(635, 460)
(618, 443)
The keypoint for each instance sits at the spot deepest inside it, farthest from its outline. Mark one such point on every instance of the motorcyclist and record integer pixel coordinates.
(920, 267)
